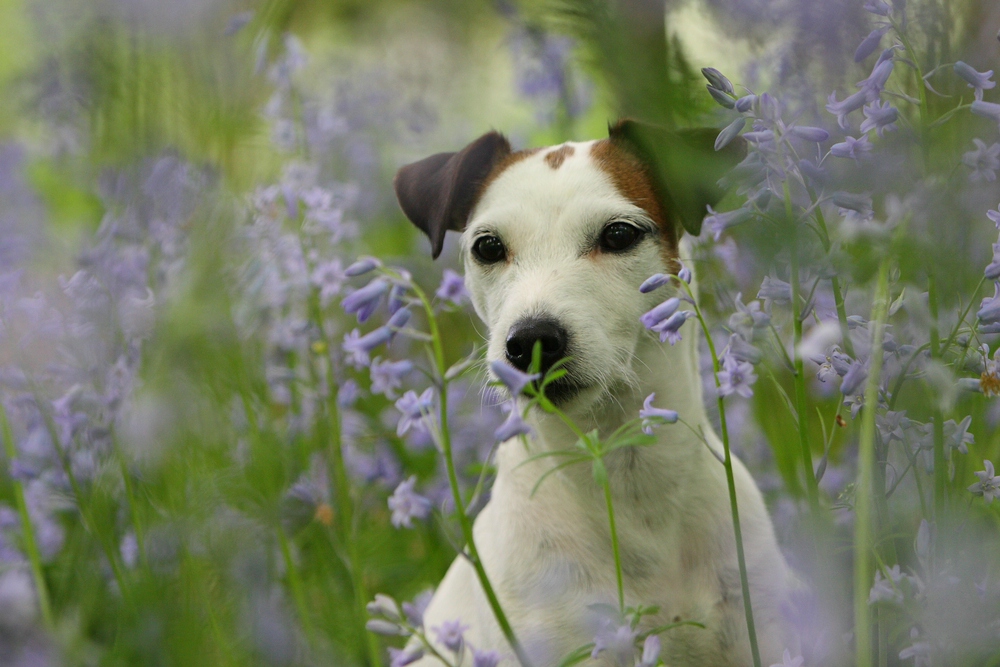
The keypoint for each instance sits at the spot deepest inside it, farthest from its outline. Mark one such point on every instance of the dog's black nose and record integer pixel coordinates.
(523, 335)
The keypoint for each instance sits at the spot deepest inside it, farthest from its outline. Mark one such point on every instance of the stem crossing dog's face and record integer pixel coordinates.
(556, 241)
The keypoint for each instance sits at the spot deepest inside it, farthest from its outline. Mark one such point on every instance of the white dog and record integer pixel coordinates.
(555, 243)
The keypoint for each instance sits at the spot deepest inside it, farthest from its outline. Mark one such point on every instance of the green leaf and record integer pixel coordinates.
(600, 472)
(577, 656)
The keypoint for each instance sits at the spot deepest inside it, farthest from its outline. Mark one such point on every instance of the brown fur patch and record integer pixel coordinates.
(632, 179)
(555, 158)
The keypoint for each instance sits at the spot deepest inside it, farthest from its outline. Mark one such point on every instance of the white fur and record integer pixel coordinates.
(549, 555)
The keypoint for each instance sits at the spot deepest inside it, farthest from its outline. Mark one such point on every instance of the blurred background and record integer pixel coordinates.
(181, 186)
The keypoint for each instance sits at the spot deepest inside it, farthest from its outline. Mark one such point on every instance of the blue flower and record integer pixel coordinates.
(618, 641)
(844, 107)
(851, 147)
(398, 320)
(870, 43)
(978, 80)
(650, 652)
(483, 658)
(729, 133)
(717, 79)
(736, 377)
(748, 318)
(685, 274)
(414, 409)
(746, 103)
(359, 347)
(669, 329)
(774, 290)
(989, 308)
(661, 312)
(452, 288)
(854, 379)
(984, 162)
(451, 634)
(919, 650)
(814, 134)
(957, 436)
(879, 117)
(988, 485)
(652, 416)
(880, 7)
(742, 350)
(361, 266)
(875, 83)
(717, 223)
(513, 379)
(987, 110)
(512, 427)
(405, 656)
(994, 216)
(365, 300)
(993, 270)
(329, 278)
(654, 282)
(407, 505)
(387, 376)
(860, 204)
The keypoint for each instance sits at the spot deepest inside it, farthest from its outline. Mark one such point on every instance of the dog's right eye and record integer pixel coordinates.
(489, 249)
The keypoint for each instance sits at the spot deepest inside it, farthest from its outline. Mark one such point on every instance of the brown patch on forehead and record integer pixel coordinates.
(632, 179)
(555, 158)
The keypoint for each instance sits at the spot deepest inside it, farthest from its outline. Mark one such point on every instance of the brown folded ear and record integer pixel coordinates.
(438, 192)
(684, 164)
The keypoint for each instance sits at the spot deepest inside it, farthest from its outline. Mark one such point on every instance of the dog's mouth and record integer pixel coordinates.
(563, 390)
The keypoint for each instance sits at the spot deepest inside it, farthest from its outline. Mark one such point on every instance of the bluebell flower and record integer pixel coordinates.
(616, 640)
(855, 403)
(654, 282)
(887, 589)
(347, 394)
(512, 427)
(920, 650)
(988, 485)
(452, 288)
(729, 133)
(661, 312)
(845, 106)
(397, 298)
(717, 79)
(721, 98)
(413, 408)
(994, 216)
(652, 416)
(384, 605)
(485, 658)
(718, 223)
(879, 7)
(451, 634)
(854, 379)
(329, 278)
(650, 652)
(669, 329)
(513, 379)
(879, 117)
(814, 134)
(365, 300)
(788, 661)
(957, 436)
(748, 318)
(387, 376)
(851, 147)
(742, 350)
(989, 308)
(746, 103)
(398, 320)
(400, 657)
(870, 43)
(759, 136)
(984, 162)
(980, 81)
(813, 172)
(382, 627)
(875, 83)
(415, 610)
(736, 377)
(993, 269)
(987, 110)
(407, 505)
(774, 290)
(358, 347)
(361, 266)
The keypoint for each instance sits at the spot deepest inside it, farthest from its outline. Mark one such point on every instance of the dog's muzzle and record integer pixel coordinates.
(554, 341)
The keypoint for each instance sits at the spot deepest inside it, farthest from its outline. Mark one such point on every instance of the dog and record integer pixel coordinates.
(555, 243)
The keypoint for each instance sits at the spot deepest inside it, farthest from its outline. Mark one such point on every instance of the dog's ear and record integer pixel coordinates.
(438, 192)
(684, 165)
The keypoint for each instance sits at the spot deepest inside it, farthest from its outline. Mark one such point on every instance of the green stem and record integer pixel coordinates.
(731, 484)
(838, 296)
(463, 518)
(614, 545)
(812, 488)
(27, 528)
(863, 537)
(295, 582)
(940, 467)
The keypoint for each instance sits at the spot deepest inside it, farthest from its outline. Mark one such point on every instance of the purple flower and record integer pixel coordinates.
(774, 290)
(730, 132)
(361, 266)
(365, 300)
(719, 222)
(854, 379)
(329, 278)
(485, 658)
(348, 393)
(661, 312)
(880, 7)
(650, 652)
(919, 650)
(870, 43)
(879, 117)
(669, 329)
(994, 216)
(884, 590)
(513, 379)
(860, 204)
(745, 103)
(844, 107)
(957, 436)
(387, 376)
(359, 347)
(398, 320)
(721, 98)
(984, 162)
(452, 288)
(452, 635)
(988, 485)
(978, 80)
(415, 610)
(987, 110)
(814, 134)
(618, 641)
(512, 427)
(652, 416)
(413, 409)
(736, 377)
(407, 505)
(748, 318)
(851, 147)
(405, 656)
(872, 86)
(685, 274)
(788, 661)
(654, 282)
(989, 308)
(717, 79)
(993, 269)
(743, 350)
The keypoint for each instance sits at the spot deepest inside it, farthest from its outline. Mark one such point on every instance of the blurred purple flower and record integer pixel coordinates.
(387, 376)
(887, 590)
(984, 162)
(994, 216)
(452, 288)
(348, 393)
(405, 656)
(875, 83)
(483, 658)
(987, 110)
(813, 134)
(329, 278)
(661, 312)
(788, 661)
(650, 652)
(407, 505)
(451, 634)
(851, 147)
(415, 610)
(618, 641)
(414, 409)
(919, 650)
(880, 7)
(736, 377)
(957, 436)
(359, 347)
(988, 485)
(718, 223)
(989, 308)
(860, 204)
(774, 290)
(365, 300)
(870, 43)
(748, 318)
(654, 282)
(730, 132)
(669, 329)
(879, 117)
(512, 427)
(652, 416)
(980, 81)
(992, 271)
(361, 266)
(742, 350)
(844, 107)
(513, 379)
(854, 379)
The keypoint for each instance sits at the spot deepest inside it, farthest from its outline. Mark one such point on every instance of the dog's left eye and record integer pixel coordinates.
(619, 236)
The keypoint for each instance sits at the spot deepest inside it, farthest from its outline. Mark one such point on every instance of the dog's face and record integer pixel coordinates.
(555, 244)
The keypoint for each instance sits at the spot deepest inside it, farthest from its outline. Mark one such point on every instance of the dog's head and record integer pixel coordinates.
(556, 241)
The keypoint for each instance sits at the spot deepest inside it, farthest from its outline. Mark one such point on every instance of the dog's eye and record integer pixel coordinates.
(489, 249)
(619, 236)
